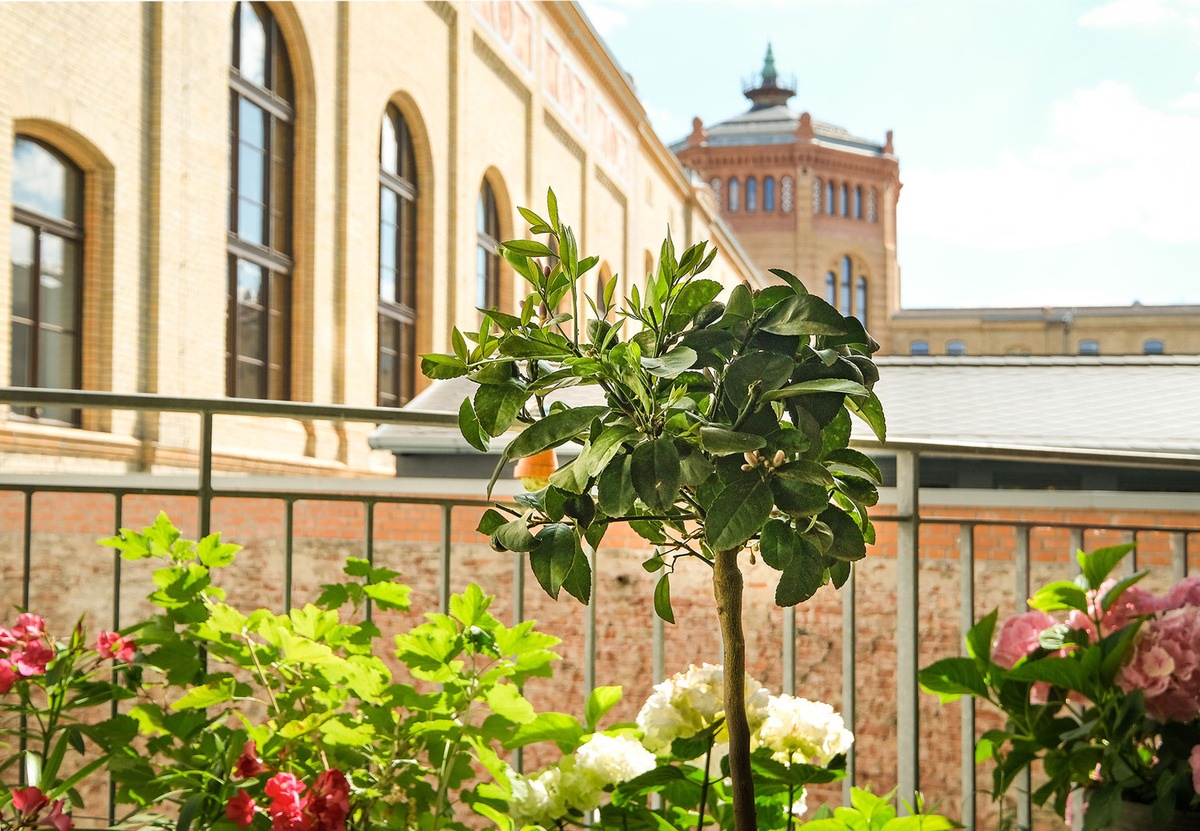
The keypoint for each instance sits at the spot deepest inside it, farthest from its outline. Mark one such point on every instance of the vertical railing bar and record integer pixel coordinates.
(289, 523)
(966, 621)
(206, 463)
(444, 565)
(1132, 537)
(369, 549)
(789, 650)
(1077, 535)
(118, 520)
(1021, 595)
(589, 629)
(26, 577)
(658, 634)
(908, 754)
(1179, 556)
(849, 676)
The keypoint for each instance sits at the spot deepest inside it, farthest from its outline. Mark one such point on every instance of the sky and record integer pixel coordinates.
(1049, 149)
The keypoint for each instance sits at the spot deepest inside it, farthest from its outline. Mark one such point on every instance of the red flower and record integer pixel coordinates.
(112, 645)
(56, 819)
(7, 677)
(241, 809)
(29, 627)
(28, 801)
(32, 659)
(287, 809)
(285, 787)
(7, 641)
(248, 764)
(329, 801)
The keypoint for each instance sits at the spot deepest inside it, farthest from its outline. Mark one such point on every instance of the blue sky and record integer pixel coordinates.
(1049, 149)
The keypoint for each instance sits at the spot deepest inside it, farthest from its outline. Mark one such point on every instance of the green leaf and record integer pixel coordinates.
(490, 521)
(388, 596)
(817, 386)
(870, 411)
(553, 430)
(560, 728)
(737, 514)
(1097, 565)
(803, 314)
(528, 248)
(654, 470)
(470, 428)
(530, 217)
(1059, 596)
(553, 556)
(213, 554)
(1114, 594)
(662, 598)
(189, 811)
(578, 581)
(801, 577)
(920, 822)
(789, 278)
(722, 442)
(778, 544)
(614, 488)
(497, 405)
(741, 303)
(515, 535)
(979, 638)
(605, 446)
(848, 542)
(552, 208)
(757, 370)
(206, 695)
(672, 364)
(851, 461)
(506, 701)
(600, 701)
(1061, 672)
(951, 678)
(440, 367)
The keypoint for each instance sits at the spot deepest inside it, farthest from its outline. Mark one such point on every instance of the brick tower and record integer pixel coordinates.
(806, 196)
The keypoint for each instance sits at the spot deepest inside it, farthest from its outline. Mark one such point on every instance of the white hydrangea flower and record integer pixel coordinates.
(530, 800)
(799, 730)
(613, 759)
(800, 807)
(690, 701)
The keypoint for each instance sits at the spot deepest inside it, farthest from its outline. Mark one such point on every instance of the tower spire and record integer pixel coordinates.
(769, 75)
(765, 90)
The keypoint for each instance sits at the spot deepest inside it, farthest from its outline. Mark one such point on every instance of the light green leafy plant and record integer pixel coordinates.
(719, 426)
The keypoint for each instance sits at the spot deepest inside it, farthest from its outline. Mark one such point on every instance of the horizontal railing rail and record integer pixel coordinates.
(907, 518)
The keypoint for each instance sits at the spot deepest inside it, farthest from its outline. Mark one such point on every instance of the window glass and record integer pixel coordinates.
(918, 348)
(858, 206)
(831, 289)
(956, 348)
(487, 263)
(860, 300)
(751, 194)
(45, 182)
(769, 194)
(1089, 347)
(844, 288)
(843, 206)
(829, 198)
(1153, 347)
(734, 195)
(252, 51)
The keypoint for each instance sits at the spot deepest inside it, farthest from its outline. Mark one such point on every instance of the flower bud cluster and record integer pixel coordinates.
(755, 459)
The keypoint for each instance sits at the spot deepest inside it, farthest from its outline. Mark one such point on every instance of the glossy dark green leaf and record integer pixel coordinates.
(578, 581)
(951, 678)
(817, 386)
(470, 428)
(553, 430)
(671, 364)
(803, 575)
(848, 543)
(979, 638)
(803, 314)
(442, 366)
(614, 488)
(1097, 565)
(662, 598)
(1061, 672)
(789, 278)
(804, 470)
(870, 411)
(740, 304)
(721, 442)
(497, 405)
(737, 514)
(850, 461)
(528, 248)
(778, 544)
(764, 371)
(655, 473)
(515, 536)
(1114, 594)
(553, 556)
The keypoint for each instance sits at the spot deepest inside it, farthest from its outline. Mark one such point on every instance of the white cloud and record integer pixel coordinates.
(606, 15)
(1143, 14)
(1111, 164)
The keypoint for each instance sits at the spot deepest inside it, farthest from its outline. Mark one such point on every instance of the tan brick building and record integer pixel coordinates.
(810, 197)
(293, 201)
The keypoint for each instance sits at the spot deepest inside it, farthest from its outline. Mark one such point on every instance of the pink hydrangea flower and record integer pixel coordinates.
(1018, 637)
(1165, 664)
(1194, 761)
(1184, 593)
(113, 645)
(1133, 603)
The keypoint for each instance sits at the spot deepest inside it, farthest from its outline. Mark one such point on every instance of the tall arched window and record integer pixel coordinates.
(487, 251)
(844, 288)
(844, 202)
(829, 198)
(734, 195)
(769, 194)
(751, 194)
(830, 288)
(397, 261)
(47, 264)
(258, 343)
(860, 300)
(858, 206)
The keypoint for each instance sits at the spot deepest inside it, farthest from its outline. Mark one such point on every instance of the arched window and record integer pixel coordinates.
(258, 342)
(734, 195)
(397, 261)
(785, 194)
(46, 253)
(858, 206)
(487, 251)
(751, 194)
(1089, 346)
(956, 348)
(860, 300)
(831, 288)
(919, 348)
(829, 198)
(844, 203)
(844, 288)
(1153, 346)
(769, 194)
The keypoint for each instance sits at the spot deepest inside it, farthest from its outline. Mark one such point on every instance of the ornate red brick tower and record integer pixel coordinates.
(806, 196)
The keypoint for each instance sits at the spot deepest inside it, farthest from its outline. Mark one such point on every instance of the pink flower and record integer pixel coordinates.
(1133, 603)
(56, 819)
(248, 764)
(113, 645)
(1018, 637)
(1194, 761)
(329, 801)
(32, 659)
(1165, 664)
(7, 641)
(28, 801)
(286, 808)
(241, 809)
(29, 627)
(284, 786)
(1184, 593)
(7, 677)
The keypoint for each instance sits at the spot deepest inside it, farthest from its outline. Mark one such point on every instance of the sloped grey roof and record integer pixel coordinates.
(777, 125)
(1145, 404)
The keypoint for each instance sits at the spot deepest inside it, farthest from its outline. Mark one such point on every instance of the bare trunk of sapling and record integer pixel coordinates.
(727, 587)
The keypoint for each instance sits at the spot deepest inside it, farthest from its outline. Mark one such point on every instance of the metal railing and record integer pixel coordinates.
(907, 520)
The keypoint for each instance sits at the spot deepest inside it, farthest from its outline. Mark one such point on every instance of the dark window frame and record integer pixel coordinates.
(488, 242)
(278, 264)
(72, 230)
(768, 194)
(397, 323)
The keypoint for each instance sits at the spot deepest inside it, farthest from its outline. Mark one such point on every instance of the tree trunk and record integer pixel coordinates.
(727, 586)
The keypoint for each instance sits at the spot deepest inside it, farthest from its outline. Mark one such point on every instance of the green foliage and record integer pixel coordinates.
(868, 812)
(720, 419)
